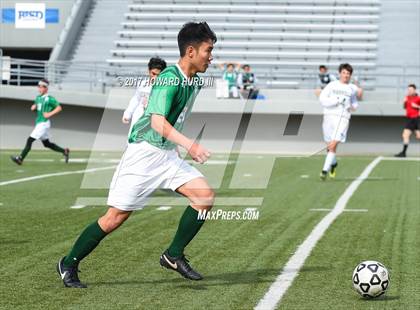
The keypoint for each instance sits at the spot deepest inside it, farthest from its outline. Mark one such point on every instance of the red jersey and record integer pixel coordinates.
(411, 112)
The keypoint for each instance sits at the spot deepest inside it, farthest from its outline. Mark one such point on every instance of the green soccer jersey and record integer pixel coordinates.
(231, 77)
(172, 96)
(44, 103)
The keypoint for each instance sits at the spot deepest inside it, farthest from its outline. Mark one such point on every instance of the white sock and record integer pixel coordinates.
(329, 159)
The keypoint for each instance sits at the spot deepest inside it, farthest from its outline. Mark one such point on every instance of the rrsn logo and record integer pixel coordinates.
(30, 15)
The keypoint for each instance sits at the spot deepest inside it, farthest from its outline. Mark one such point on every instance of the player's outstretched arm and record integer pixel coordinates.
(57, 110)
(33, 107)
(166, 130)
(132, 106)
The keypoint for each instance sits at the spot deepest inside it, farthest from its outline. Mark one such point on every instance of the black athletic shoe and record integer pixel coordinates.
(69, 275)
(17, 159)
(66, 155)
(400, 154)
(323, 175)
(180, 265)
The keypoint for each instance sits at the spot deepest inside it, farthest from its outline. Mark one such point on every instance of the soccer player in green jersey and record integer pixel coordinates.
(150, 160)
(230, 74)
(46, 106)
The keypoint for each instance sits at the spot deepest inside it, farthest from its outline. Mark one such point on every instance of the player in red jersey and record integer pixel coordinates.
(411, 106)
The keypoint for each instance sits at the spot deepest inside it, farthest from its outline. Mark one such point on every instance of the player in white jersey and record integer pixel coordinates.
(139, 101)
(339, 99)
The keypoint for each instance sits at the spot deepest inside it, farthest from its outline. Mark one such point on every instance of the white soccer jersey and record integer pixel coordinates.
(339, 99)
(138, 103)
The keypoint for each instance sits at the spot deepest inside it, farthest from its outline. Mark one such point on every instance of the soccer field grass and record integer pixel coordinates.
(239, 259)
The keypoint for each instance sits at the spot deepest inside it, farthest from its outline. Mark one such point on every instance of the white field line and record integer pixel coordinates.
(164, 208)
(77, 207)
(295, 263)
(178, 201)
(57, 174)
(345, 210)
(117, 160)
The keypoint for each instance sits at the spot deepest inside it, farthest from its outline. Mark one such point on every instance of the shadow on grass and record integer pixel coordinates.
(382, 298)
(232, 278)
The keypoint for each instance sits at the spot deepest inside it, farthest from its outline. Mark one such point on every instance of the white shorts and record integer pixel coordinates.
(41, 131)
(143, 169)
(335, 128)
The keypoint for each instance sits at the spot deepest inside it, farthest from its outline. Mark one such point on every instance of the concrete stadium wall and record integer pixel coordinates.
(10, 37)
(77, 127)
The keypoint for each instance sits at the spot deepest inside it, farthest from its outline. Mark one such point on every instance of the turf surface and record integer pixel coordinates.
(239, 259)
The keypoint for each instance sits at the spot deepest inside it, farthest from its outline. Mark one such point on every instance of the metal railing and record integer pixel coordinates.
(93, 76)
(100, 76)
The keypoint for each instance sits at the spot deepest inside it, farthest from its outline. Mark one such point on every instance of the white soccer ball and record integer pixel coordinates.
(370, 279)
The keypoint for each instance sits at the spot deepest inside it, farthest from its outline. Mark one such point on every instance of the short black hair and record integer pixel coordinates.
(194, 34)
(347, 67)
(156, 63)
(412, 85)
(45, 81)
(246, 66)
(322, 67)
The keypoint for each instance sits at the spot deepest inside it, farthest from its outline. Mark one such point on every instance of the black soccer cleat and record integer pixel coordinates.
(69, 275)
(400, 154)
(180, 265)
(17, 159)
(66, 155)
(323, 175)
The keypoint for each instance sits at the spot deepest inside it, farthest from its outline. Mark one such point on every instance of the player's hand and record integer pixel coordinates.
(46, 114)
(344, 101)
(125, 120)
(198, 153)
(33, 107)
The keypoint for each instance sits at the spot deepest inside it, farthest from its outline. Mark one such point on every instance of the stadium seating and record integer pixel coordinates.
(275, 37)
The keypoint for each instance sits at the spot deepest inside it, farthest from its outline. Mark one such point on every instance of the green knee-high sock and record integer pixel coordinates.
(56, 148)
(52, 146)
(85, 244)
(188, 227)
(27, 147)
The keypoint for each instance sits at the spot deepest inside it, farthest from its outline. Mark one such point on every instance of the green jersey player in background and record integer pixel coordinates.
(150, 161)
(46, 106)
